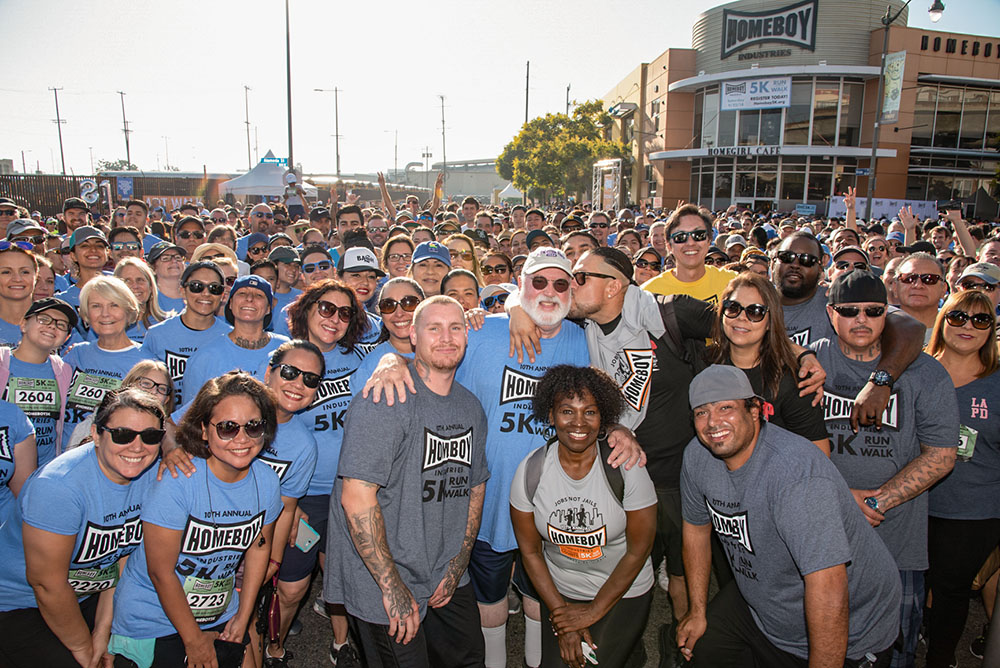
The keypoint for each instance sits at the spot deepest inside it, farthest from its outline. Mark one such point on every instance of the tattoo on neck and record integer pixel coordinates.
(249, 344)
(423, 370)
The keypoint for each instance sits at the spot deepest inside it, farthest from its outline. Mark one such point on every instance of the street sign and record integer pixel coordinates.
(862, 171)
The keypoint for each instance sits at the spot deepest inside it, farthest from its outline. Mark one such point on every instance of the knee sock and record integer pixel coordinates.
(532, 642)
(496, 646)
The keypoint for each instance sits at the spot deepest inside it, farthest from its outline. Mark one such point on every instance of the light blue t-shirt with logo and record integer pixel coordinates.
(172, 342)
(14, 428)
(292, 456)
(221, 355)
(10, 334)
(33, 389)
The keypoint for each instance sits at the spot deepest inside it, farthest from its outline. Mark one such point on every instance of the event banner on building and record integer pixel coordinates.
(757, 94)
(894, 65)
(885, 207)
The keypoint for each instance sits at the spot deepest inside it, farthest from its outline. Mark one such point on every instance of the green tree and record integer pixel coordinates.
(553, 155)
(115, 166)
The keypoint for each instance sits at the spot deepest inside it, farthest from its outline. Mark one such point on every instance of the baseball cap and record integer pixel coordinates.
(319, 213)
(22, 225)
(431, 250)
(850, 249)
(256, 238)
(715, 250)
(719, 382)
(250, 281)
(85, 232)
(279, 235)
(895, 236)
(201, 264)
(358, 258)
(534, 235)
(919, 247)
(855, 287)
(189, 219)
(451, 225)
(285, 254)
(984, 270)
(735, 240)
(497, 289)
(6, 201)
(159, 249)
(545, 258)
(75, 203)
(49, 303)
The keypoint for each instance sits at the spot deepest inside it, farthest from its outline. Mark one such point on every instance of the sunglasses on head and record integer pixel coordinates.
(289, 372)
(844, 264)
(853, 311)
(958, 318)
(493, 300)
(494, 269)
(188, 234)
(228, 429)
(804, 259)
(322, 265)
(755, 312)
(539, 283)
(926, 279)
(973, 285)
(328, 309)
(125, 245)
(124, 435)
(408, 303)
(648, 264)
(197, 287)
(23, 245)
(682, 237)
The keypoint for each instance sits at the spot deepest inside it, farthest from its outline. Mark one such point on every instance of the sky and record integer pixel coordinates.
(183, 65)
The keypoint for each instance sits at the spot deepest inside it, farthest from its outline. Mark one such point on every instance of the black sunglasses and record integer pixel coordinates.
(972, 285)
(124, 435)
(36, 240)
(228, 429)
(188, 234)
(493, 300)
(853, 311)
(682, 237)
(599, 225)
(959, 318)
(581, 276)
(258, 214)
(539, 283)
(328, 309)
(289, 372)
(197, 287)
(804, 259)
(257, 250)
(230, 280)
(647, 264)
(408, 303)
(494, 268)
(755, 312)
(926, 279)
(716, 261)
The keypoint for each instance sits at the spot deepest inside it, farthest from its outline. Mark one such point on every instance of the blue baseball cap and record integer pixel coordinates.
(895, 236)
(251, 281)
(431, 250)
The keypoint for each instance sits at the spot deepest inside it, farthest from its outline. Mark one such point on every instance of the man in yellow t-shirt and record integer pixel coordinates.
(689, 234)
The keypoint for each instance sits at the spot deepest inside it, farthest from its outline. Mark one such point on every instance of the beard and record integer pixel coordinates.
(546, 318)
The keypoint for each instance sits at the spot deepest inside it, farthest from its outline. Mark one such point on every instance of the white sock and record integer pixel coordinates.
(532, 642)
(338, 645)
(496, 645)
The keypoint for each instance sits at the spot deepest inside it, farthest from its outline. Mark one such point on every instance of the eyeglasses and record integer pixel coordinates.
(119, 214)
(125, 245)
(8, 212)
(124, 435)
(465, 255)
(599, 225)
(959, 318)
(572, 228)
(494, 269)
(230, 280)
(581, 276)
(257, 250)
(322, 265)
(151, 385)
(844, 264)
(682, 237)
(228, 429)
(853, 311)
(755, 312)
(187, 234)
(493, 300)
(715, 260)
(44, 319)
(973, 285)
(221, 221)
(289, 372)
(328, 309)
(805, 260)
(399, 257)
(259, 214)
(647, 264)
(36, 240)
(539, 283)
(408, 303)
(172, 257)
(197, 287)
(23, 245)
(926, 279)
(378, 230)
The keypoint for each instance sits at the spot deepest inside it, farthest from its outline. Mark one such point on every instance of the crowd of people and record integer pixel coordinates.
(454, 413)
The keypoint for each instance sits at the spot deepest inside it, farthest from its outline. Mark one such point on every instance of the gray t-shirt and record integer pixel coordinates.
(808, 321)
(784, 514)
(582, 524)
(922, 410)
(425, 455)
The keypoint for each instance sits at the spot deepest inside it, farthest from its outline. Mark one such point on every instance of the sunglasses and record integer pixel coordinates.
(399, 257)
(8, 212)
(493, 300)
(257, 250)
(599, 225)
(227, 429)
(494, 269)
(408, 303)
(289, 372)
(125, 245)
(755, 312)
(378, 230)
(959, 318)
(539, 283)
(36, 240)
(682, 237)
(926, 279)
(263, 215)
(328, 309)
(151, 385)
(197, 287)
(716, 261)
(465, 255)
(124, 435)
(646, 264)
(879, 249)
(844, 264)
(581, 276)
(970, 285)
(572, 228)
(187, 234)
(804, 259)
(173, 257)
(322, 265)
(61, 325)
(853, 311)
(23, 245)
(230, 280)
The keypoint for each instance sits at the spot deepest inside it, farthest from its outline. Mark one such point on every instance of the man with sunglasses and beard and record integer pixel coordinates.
(888, 469)
(920, 287)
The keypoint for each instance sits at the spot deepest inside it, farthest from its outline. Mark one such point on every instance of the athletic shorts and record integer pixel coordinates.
(295, 564)
(490, 572)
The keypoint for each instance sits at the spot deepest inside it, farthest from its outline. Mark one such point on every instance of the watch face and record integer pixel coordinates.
(881, 378)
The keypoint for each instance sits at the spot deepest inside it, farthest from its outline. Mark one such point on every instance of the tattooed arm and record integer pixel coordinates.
(460, 561)
(913, 479)
(367, 527)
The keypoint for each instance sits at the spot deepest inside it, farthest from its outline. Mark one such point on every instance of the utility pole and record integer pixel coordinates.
(166, 150)
(128, 151)
(59, 123)
(567, 98)
(288, 85)
(426, 155)
(246, 106)
(91, 158)
(336, 121)
(444, 153)
(395, 155)
(527, 79)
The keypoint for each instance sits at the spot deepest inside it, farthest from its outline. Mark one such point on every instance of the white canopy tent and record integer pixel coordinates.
(510, 192)
(266, 179)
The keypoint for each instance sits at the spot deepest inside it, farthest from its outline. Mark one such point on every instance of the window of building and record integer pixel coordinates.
(973, 119)
(797, 115)
(770, 127)
(749, 127)
(993, 122)
(820, 179)
(852, 98)
(650, 181)
(746, 171)
(724, 180)
(654, 112)
(767, 178)
(948, 118)
(923, 116)
(916, 186)
(843, 175)
(825, 103)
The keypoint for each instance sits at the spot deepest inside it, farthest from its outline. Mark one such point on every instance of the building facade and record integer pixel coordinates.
(773, 107)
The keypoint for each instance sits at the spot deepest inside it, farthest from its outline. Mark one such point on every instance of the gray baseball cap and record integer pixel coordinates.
(719, 383)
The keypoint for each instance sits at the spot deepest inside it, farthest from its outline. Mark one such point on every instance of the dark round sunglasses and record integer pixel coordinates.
(228, 429)
(958, 318)
(388, 305)
(197, 287)
(289, 372)
(328, 309)
(755, 312)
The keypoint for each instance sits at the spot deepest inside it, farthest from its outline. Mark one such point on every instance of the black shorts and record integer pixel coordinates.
(27, 641)
(670, 527)
(490, 572)
(295, 564)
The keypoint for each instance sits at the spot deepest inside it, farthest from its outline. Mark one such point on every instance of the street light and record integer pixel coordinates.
(934, 11)
(336, 121)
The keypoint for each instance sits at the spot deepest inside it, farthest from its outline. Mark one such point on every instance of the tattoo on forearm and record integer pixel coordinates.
(460, 561)
(930, 466)
(367, 530)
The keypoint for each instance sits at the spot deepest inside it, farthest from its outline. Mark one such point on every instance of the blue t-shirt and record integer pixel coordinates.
(33, 389)
(220, 355)
(10, 334)
(148, 241)
(62, 283)
(71, 296)
(14, 428)
(370, 362)
(168, 304)
(505, 389)
(72, 497)
(292, 456)
(172, 342)
(283, 299)
(137, 332)
(219, 521)
(95, 372)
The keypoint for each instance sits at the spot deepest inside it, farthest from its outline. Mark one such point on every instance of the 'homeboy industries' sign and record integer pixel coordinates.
(793, 24)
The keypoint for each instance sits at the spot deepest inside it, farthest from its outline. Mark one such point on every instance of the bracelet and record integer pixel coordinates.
(807, 351)
(276, 563)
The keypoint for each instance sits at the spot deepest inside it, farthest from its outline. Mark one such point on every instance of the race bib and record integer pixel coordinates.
(966, 442)
(85, 581)
(37, 397)
(208, 599)
(88, 389)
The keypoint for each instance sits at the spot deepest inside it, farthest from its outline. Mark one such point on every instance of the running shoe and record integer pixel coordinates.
(319, 607)
(978, 644)
(277, 662)
(345, 657)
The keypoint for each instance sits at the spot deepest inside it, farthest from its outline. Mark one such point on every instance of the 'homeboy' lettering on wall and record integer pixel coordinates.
(792, 24)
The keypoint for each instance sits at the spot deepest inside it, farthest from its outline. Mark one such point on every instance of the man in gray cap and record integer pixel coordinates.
(982, 276)
(813, 584)
(30, 231)
(76, 213)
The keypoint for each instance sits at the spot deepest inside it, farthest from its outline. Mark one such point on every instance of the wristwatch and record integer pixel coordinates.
(881, 378)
